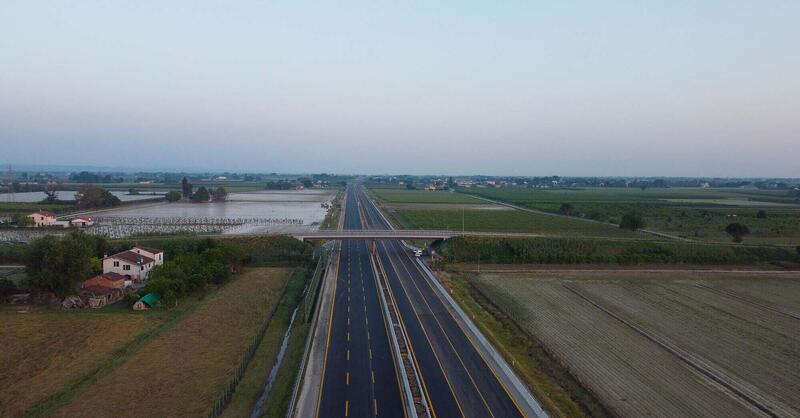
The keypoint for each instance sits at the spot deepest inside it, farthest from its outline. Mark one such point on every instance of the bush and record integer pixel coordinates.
(761, 214)
(632, 220)
(201, 195)
(172, 196)
(7, 287)
(566, 209)
(737, 231)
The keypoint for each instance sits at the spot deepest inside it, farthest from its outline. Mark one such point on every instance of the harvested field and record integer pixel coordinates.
(42, 352)
(181, 373)
(671, 343)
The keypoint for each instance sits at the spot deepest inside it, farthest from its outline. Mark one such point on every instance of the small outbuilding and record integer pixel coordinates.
(147, 302)
(82, 221)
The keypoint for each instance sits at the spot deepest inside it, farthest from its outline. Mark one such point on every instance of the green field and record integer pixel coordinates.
(507, 221)
(19, 208)
(422, 196)
(694, 213)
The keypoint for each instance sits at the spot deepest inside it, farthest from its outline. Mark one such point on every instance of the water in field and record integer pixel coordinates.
(242, 213)
(70, 195)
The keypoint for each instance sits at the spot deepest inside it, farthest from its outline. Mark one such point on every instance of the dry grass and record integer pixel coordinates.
(42, 352)
(180, 373)
(666, 343)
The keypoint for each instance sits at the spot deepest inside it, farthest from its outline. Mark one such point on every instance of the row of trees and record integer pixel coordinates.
(201, 195)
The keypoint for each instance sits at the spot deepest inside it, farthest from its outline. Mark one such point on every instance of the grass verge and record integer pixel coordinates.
(252, 384)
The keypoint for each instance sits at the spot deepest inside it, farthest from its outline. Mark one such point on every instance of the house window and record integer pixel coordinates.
(116, 264)
(126, 267)
(141, 268)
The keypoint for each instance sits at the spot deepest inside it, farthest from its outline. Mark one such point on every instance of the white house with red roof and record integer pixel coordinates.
(134, 265)
(154, 253)
(43, 218)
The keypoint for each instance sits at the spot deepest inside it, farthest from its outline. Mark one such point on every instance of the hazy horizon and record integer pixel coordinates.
(519, 88)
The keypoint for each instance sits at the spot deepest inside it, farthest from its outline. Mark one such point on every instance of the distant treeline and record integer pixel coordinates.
(588, 251)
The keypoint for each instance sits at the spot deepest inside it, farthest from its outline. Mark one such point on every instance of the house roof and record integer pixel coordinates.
(148, 249)
(114, 277)
(132, 257)
(100, 290)
(83, 218)
(43, 213)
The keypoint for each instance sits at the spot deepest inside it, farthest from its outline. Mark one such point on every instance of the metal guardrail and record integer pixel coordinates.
(322, 267)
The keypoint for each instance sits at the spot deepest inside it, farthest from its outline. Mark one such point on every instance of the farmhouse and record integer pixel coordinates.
(82, 221)
(154, 253)
(43, 218)
(132, 265)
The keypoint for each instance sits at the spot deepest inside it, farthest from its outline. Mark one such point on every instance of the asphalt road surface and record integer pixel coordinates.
(360, 378)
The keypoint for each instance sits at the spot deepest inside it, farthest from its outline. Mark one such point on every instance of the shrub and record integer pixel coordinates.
(632, 220)
(737, 231)
(566, 209)
(172, 196)
(761, 214)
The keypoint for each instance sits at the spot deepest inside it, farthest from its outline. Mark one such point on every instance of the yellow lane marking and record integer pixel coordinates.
(446, 336)
(346, 408)
(347, 378)
(430, 344)
(328, 338)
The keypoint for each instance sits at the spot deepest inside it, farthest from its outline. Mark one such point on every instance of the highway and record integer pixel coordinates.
(455, 377)
(359, 378)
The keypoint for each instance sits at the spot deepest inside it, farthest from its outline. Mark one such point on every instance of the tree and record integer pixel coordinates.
(58, 264)
(201, 195)
(133, 191)
(7, 287)
(566, 209)
(761, 214)
(186, 188)
(632, 220)
(89, 196)
(172, 196)
(51, 192)
(220, 194)
(737, 231)
(24, 220)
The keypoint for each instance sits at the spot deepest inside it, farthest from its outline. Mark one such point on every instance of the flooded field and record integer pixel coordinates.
(30, 197)
(243, 213)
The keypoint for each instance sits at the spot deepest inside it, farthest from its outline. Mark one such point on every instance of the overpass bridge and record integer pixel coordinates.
(378, 234)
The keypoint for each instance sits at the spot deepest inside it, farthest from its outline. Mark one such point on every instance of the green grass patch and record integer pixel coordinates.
(694, 213)
(422, 196)
(252, 384)
(508, 221)
(603, 251)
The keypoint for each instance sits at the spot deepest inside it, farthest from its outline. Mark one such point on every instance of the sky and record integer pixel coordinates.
(623, 87)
